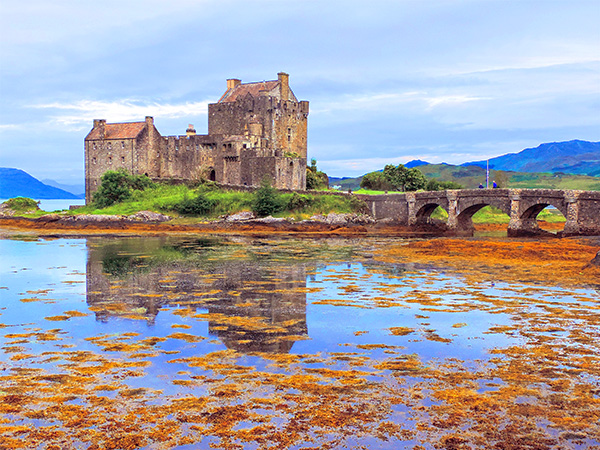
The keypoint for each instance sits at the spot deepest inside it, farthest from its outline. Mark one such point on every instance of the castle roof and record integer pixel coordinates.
(128, 130)
(243, 89)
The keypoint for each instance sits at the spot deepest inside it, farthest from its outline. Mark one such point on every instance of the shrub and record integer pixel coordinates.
(434, 185)
(299, 201)
(358, 205)
(22, 204)
(267, 200)
(116, 187)
(196, 206)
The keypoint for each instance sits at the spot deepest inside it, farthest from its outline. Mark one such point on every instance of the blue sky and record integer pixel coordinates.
(387, 81)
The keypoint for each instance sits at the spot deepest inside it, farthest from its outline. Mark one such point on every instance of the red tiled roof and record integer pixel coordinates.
(247, 88)
(128, 130)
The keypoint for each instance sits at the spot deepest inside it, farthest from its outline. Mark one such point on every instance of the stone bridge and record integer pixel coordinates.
(580, 208)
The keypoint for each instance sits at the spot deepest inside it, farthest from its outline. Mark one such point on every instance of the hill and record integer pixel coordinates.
(76, 189)
(471, 176)
(577, 157)
(17, 183)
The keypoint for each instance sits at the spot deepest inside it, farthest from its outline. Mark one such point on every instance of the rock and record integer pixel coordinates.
(50, 217)
(596, 260)
(270, 219)
(87, 218)
(343, 219)
(149, 216)
(240, 217)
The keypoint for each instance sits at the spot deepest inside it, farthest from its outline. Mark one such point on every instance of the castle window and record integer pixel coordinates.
(244, 146)
(289, 134)
(94, 146)
(109, 146)
(110, 160)
(122, 144)
(94, 160)
(123, 159)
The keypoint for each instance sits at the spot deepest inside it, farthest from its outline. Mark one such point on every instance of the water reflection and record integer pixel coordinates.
(253, 306)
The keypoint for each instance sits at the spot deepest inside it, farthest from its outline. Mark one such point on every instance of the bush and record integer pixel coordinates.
(196, 206)
(299, 201)
(22, 204)
(117, 186)
(267, 200)
(434, 185)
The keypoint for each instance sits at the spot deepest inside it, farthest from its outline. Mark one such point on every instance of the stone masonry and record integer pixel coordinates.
(254, 130)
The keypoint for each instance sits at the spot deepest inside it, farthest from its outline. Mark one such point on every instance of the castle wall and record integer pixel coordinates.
(187, 157)
(261, 130)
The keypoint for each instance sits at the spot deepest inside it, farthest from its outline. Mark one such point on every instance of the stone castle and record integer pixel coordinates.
(254, 130)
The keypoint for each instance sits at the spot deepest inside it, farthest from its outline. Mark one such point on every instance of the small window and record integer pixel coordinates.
(244, 145)
(123, 159)
(289, 134)
(94, 146)
(122, 144)
(94, 160)
(110, 160)
(109, 146)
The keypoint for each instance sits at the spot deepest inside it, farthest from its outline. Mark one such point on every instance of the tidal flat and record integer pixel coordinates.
(263, 342)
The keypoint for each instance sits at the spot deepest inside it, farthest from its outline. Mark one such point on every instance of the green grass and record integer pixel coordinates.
(162, 199)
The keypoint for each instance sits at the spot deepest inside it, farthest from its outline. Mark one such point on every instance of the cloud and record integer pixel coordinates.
(79, 115)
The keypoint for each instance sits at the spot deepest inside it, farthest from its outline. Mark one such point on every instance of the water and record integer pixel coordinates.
(249, 342)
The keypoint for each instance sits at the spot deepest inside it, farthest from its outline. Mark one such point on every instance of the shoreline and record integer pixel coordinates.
(57, 226)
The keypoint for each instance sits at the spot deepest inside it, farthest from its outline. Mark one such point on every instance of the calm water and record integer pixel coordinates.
(259, 343)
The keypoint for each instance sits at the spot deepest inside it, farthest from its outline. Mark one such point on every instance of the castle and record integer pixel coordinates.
(254, 130)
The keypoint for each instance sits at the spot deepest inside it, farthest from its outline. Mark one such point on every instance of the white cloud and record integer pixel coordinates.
(79, 115)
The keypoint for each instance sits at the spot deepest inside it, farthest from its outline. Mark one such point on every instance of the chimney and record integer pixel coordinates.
(191, 131)
(101, 125)
(233, 83)
(284, 83)
(150, 126)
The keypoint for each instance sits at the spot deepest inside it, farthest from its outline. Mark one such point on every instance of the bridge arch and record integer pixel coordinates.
(470, 203)
(423, 214)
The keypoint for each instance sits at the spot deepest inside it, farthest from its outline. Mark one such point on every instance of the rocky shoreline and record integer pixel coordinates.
(244, 222)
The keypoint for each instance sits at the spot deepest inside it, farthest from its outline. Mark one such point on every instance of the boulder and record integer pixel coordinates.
(240, 216)
(149, 216)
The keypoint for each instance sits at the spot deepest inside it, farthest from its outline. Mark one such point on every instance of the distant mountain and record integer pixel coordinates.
(577, 157)
(415, 163)
(77, 189)
(17, 183)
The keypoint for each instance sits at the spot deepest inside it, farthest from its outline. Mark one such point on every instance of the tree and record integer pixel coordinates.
(316, 179)
(376, 181)
(404, 179)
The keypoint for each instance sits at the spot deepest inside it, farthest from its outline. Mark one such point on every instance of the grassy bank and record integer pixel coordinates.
(167, 199)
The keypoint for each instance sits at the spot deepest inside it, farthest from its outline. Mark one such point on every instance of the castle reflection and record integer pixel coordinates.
(253, 303)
